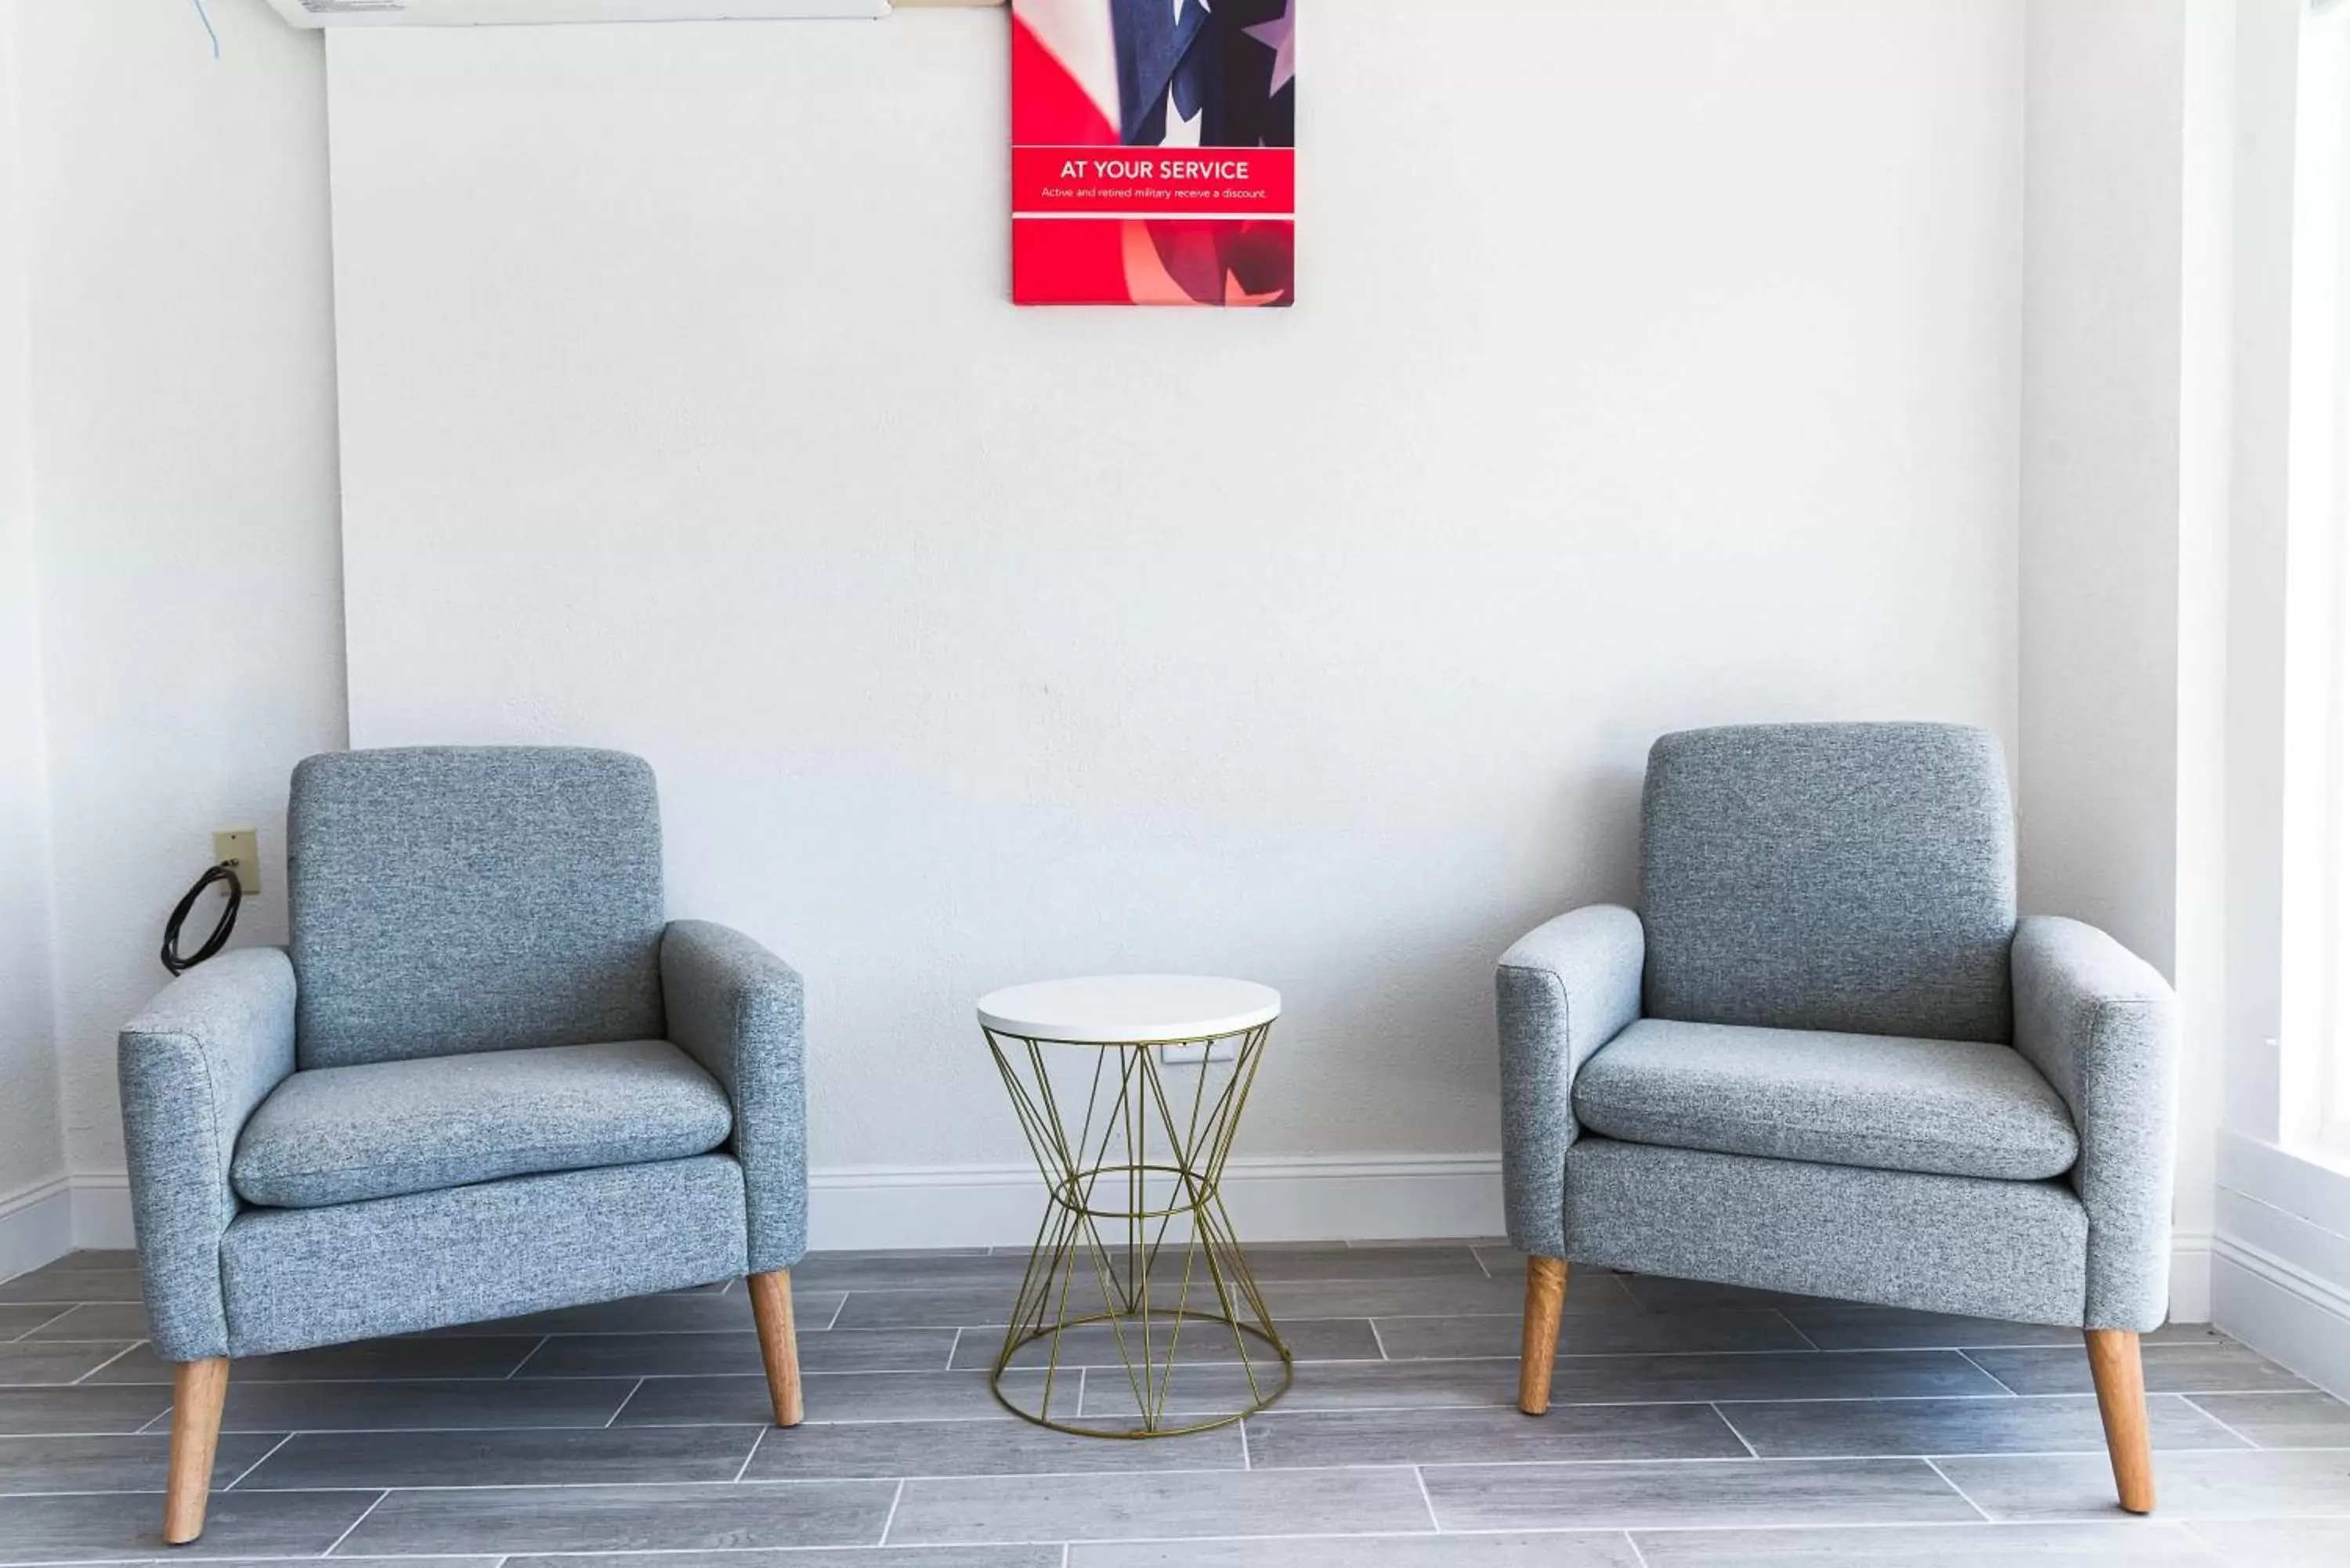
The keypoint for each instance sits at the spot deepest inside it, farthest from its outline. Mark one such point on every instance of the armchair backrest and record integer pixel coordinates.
(448, 900)
(1857, 878)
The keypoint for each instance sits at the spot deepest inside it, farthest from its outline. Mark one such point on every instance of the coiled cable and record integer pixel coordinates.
(226, 874)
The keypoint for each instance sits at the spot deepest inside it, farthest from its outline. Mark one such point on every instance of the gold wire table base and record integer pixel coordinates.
(1136, 1255)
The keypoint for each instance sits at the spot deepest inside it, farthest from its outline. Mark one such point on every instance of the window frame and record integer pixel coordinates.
(2314, 1079)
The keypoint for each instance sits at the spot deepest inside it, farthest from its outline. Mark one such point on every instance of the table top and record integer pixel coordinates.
(1130, 1009)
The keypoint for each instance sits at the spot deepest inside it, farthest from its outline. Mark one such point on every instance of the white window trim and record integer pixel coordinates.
(2314, 1112)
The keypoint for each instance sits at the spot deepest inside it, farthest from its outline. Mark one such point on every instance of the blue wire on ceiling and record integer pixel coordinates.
(205, 18)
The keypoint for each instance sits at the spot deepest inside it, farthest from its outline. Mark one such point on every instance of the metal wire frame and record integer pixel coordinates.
(1082, 1181)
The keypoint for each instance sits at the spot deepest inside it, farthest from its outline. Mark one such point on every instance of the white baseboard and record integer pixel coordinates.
(36, 1225)
(2280, 1261)
(2191, 1277)
(101, 1210)
(2282, 1311)
(1308, 1199)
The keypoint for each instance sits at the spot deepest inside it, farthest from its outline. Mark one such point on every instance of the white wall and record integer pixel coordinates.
(1656, 366)
(33, 1211)
(2125, 514)
(2099, 571)
(184, 479)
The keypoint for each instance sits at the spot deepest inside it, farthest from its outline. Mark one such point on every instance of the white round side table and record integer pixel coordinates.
(1135, 1252)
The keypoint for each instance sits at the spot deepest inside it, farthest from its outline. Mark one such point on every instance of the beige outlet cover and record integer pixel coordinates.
(243, 845)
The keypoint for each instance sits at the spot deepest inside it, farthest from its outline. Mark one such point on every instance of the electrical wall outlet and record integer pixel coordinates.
(240, 848)
(1198, 1052)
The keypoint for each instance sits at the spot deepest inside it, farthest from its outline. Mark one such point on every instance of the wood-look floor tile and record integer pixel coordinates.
(1152, 1505)
(822, 1557)
(2185, 1333)
(572, 1519)
(978, 1447)
(1498, 1435)
(30, 1364)
(2225, 1366)
(923, 1272)
(1659, 1293)
(717, 1355)
(340, 1562)
(1576, 1549)
(83, 1408)
(1733, 1492)
(1326, 1385)
(65, 1285)
(1504, 1261)
(2283, 1483)
(413, 1357)
(104, 1525)
(947, 1307)
(830, 1397)
(110, 1463)
(116, 1321)
(125, 1259)
(319, 1462)
(2287, 1420)
(637, 1453)
(1818, 1429)
(2273, 1542)
(696, 1312)
(2101, 1545)
(1602, 1294)
(1396, 1261)
(1842, 1325)
(17, 1321)
(1609, 1333)
(395, 1405)
(1287, 1299)
(1198, 1344)
(1612, 1380)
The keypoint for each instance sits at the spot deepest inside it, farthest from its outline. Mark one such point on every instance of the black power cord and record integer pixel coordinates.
(226, 874)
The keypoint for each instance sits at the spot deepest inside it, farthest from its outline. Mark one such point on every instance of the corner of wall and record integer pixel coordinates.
(35, 1222)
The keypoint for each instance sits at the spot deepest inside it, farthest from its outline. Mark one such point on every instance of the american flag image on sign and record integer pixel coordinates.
(1154, 151)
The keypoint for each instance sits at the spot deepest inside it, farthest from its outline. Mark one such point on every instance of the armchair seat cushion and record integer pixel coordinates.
(383, 1129)
(1953, 1107)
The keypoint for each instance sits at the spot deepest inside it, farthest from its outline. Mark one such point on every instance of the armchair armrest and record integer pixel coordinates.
(736, 1009)
(2102, 1028)
(1564, 990)
(193, 1066)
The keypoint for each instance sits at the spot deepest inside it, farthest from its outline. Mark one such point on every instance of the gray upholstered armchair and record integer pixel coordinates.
(490, 1078)
(1826, 1057)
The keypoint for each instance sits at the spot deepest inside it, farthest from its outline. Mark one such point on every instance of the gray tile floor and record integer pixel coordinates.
(1694, 1424)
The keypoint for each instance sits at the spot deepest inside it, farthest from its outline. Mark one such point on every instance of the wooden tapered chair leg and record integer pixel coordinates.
(1545, 1300)
(2120, 1377)
(198, 1389)
(779, 1345)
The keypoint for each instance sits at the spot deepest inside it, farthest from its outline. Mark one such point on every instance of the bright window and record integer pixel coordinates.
(2316, 1043)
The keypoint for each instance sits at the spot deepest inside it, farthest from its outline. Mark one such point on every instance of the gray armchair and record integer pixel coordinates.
(1826, 1057)
(489, 1078)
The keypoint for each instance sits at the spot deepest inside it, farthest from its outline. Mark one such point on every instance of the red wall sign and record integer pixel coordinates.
(1153, 157)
